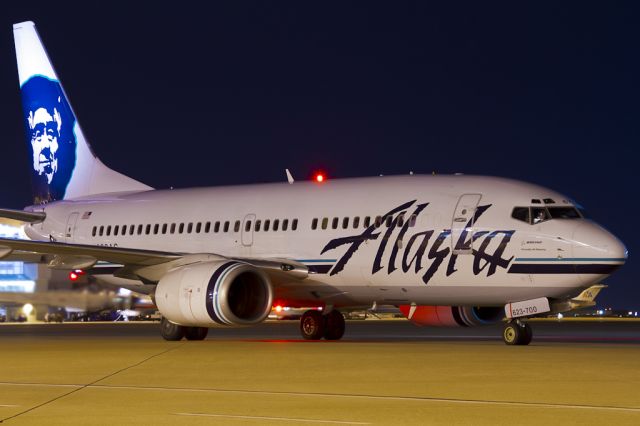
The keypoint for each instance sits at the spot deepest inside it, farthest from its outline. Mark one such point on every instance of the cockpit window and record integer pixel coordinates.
(564, 213)
(539, 214)
(534, 215)
(521, 213)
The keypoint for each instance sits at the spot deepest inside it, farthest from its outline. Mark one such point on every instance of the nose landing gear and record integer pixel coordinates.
(517, 333)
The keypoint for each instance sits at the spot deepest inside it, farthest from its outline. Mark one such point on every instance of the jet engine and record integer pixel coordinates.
(207, 293)
(452, 316)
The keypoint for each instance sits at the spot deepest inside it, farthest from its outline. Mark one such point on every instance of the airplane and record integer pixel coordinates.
(447, 250)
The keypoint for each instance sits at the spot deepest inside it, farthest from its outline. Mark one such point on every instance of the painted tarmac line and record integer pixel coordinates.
(338, 395)
(285, 419)
(8, 405)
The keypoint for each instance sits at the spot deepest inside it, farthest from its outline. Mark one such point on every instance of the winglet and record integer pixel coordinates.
(589, 294)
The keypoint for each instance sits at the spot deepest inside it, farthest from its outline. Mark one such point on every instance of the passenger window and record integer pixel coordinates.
(164, 228)
(294, 224)
(198, 227)
(521, 213)
(378, 221)
(258, 224)
(189, 227)
(314, 223)
(216, 227)
(236, 226)
(367, 221)
(147, 229)
(401, 219)
(539, 214)
(207, 227)
(389, 221)
(108, 230)
(334, 223)
(266, 224)
(172, 229)
(285, 224)
(180, 228)
(412, 220)
(226, 226)
(276, 224)
(156, 228)
(93, 231)
(116, 229)
(356, 222)
(345, 223)
(140, 229)
(131, 229)
(325, 222)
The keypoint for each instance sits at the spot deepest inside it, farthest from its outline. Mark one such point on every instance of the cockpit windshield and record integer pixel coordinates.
(538, 214)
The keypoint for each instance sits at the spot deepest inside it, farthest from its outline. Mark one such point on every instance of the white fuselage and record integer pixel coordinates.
(440, 256)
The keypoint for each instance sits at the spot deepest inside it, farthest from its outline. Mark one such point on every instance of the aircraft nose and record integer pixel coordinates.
(597, 250)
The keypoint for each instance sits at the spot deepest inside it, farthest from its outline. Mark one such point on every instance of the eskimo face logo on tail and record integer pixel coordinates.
(49, 126)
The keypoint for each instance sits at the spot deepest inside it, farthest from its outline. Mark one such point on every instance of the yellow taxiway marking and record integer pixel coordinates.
(338, 395)
(285, 419)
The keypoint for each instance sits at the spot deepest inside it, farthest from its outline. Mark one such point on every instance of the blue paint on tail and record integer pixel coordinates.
(49, 123)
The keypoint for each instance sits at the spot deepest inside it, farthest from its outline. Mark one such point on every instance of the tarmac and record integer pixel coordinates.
(381, 373)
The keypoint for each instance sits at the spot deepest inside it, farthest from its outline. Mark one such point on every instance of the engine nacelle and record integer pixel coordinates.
(208, 293)
(452, 316)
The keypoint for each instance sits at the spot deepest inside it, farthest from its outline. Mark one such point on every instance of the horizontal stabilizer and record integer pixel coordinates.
(23, 216)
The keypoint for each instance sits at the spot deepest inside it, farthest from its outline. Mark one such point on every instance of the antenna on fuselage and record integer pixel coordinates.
(289, 177)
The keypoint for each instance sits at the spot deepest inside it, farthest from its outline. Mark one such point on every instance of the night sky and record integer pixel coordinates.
(234, 92)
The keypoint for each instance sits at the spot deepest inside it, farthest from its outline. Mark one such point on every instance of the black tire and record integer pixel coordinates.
(312, 325)
(527, 334)
(334, 326)
(170, 331)
(515, 333)
(196, 333)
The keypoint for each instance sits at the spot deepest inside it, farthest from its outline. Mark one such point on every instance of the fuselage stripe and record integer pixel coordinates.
(523, 268)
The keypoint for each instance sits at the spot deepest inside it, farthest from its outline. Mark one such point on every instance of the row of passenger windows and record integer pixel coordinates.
(190, 228)
(257, 225)
(356, 223)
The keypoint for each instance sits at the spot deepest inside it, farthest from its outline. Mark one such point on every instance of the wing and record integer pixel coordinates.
(147, 266)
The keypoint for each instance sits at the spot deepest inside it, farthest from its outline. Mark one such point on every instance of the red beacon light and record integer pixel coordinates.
(319, 177)
(75, 274)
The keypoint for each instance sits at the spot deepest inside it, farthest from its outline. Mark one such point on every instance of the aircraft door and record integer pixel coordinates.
(247, 229)
(463, 221)
(71, 227)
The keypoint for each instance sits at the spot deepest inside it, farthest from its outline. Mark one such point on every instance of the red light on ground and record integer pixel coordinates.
(278, 308)
(319, 177)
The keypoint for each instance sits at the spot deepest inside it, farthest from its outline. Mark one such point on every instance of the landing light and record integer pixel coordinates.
(278, 308)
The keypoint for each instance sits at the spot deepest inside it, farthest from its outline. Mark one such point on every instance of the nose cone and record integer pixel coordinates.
(596, 251)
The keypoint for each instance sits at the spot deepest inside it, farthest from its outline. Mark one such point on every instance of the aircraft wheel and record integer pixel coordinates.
(195, 333)
(312, 325)
(334, 326)
(170, 331)
(517, 333)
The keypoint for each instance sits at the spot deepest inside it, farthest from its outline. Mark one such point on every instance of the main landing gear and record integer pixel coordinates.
(517, 332)
(314, 325)
(174, 332)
